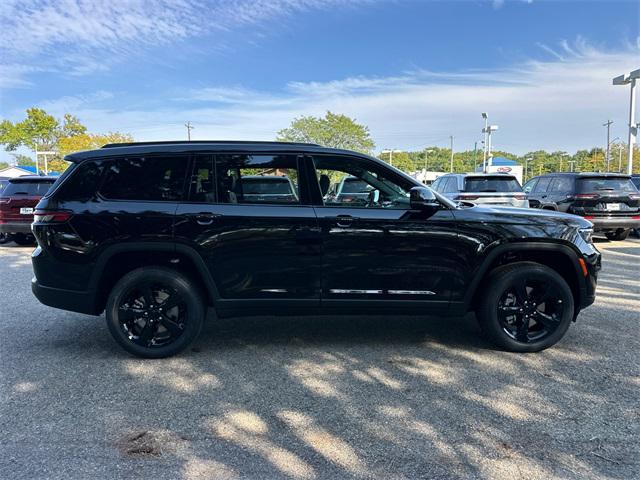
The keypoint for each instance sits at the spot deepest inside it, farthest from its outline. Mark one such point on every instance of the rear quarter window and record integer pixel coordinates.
(152, 178)
(82, 183)
(492, 184)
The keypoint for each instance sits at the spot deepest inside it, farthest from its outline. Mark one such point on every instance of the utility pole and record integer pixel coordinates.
(485, 130)
(189, 128)
(451, 139)
(625, 79)
(607, 157)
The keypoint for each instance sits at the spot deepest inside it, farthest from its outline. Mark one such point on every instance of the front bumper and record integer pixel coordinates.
(15, 227)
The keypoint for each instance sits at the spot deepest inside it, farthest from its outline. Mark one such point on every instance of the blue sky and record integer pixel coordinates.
(415, 72)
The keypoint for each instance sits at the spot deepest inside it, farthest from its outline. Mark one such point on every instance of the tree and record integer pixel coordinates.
(332, 130)
(90, 141)
(401, 160)
(3, 165)
(21, 159)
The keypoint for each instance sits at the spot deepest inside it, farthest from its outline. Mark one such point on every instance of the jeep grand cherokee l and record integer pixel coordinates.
(608, 200)
(155, 234)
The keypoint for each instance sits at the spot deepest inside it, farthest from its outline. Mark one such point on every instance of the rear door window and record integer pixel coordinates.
(561, 185)
(543, 185)
(604, 184)
(492, 184)
(530, 185)
(259, 179)
(28, 189)
(451, 185)
(152, 178)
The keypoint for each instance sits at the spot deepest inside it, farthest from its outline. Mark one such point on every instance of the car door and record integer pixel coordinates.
(262, 249)
(559, 192)
(380, 253)
(540, 191)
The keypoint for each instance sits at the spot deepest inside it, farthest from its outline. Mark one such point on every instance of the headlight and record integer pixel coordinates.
(586, 234)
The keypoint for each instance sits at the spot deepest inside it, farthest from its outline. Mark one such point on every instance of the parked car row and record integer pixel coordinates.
(610, 201)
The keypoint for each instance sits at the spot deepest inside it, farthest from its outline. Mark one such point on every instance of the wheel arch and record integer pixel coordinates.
(559, 257)
(120, 259)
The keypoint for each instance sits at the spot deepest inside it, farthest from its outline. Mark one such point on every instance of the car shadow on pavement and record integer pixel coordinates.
(327, 397)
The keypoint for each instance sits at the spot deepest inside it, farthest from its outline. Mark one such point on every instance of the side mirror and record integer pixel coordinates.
(422, 198)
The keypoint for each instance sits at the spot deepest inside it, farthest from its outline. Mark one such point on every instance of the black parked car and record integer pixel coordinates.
(608, 200)
(154, 234)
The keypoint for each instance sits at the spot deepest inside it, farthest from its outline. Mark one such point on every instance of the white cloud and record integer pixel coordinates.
(78, 37)
(556, 104)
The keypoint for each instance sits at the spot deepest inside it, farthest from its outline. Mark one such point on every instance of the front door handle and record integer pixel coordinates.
(204, 218)
(345, 221)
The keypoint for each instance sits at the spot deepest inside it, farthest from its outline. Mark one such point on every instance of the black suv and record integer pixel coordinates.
(608, 200)
(155, 234)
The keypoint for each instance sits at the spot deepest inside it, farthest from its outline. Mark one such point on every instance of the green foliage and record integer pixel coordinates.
(400, 160)
(333, 130)
(3, 165)
(21, 159)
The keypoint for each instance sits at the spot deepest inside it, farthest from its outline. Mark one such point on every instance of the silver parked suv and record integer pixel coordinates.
(487, 188)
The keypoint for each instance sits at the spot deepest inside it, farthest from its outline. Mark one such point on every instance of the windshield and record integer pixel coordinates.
(35, 189)
(492, 184)
(261, 186)
(603, 184)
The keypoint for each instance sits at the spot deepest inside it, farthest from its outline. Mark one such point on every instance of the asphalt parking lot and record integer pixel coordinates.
(322, 397)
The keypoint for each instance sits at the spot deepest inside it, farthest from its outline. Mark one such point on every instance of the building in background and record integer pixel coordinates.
(503, 165)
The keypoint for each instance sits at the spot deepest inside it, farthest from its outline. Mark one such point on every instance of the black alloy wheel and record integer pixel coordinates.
(526, 307)
(155, 312)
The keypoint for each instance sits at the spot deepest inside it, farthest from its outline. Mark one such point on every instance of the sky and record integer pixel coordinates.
(415, 72)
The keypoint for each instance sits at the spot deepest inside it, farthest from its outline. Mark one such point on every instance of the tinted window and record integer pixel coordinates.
(356, 183)
(35, 189)
(451, 185)
(543, 184)
(636, 182)
(83, 183)
(270, 179)
(436, 184)
(562, 185)
(202, 186)
(617, 184)
(492, 184)
(530, 185)
(154, 178)
(3, 183)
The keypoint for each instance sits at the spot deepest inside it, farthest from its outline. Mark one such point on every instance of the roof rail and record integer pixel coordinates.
(215, 142)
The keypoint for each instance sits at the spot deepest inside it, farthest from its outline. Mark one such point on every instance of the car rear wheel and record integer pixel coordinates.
(155, 312)
(619, 234)
(526, 307)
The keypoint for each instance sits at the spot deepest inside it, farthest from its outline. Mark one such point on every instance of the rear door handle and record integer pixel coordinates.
(345, 221)
(204, 218)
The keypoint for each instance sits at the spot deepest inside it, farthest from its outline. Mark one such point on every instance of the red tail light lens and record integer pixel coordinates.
(587, 196)
(637, 217)
(51, 216)
(588, 217)
(520, 197)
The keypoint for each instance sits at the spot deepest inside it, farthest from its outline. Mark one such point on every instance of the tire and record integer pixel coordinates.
(619, 234)
(4, 238)
(502, 308)
(139, 323)
(23, 240)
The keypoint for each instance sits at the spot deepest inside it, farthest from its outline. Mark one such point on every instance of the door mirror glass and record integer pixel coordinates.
(422, 198)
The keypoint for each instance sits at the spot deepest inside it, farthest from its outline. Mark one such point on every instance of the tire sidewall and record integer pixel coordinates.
(500, 282)
(172, 278)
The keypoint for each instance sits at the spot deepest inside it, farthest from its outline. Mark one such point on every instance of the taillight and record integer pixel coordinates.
(588, 217)
(464, 196)
(634, 196)
(4, 199)
(587, 196)
(635, 217)
(520, 197)
(51, 216)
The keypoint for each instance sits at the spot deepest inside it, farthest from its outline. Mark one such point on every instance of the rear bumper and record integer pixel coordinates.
(613, 223)
(15, 227)
(72, 300)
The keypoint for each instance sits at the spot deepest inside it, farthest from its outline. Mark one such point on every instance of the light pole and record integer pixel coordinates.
(451, 139)
(625, 79)
(571, 163)
(391, 152)
(488, 130)
(484, 130)
(526, 166)
(607, 157)
(426, 163)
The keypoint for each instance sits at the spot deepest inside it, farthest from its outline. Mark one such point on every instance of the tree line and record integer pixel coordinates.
(43, 132)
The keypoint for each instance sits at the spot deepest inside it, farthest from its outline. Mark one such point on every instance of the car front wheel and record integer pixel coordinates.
(155, 312)
(526, 307)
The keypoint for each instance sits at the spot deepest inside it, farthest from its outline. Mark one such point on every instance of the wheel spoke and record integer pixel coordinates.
(173, 300)
(147, 294)
(170, 325)
(547, 320)
(128, 314)
(147, 334)
(521, 290)
(522, 333)
(541, 293)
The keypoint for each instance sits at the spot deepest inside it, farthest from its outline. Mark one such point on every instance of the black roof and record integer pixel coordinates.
(32, 179)
(116, 149)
